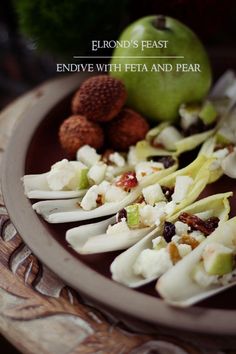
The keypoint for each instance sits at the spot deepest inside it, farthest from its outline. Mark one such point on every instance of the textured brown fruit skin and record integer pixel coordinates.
(100, 98)
(77, 131)
(126, 129)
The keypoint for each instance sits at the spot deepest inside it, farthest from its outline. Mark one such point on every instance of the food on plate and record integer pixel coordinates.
(194, 127)
(108, 197)
(155, 204)
(66, 179)
(133, 176)
(126, 129)
(176, 237)
(158, 91)
(197, 118)
(77, 131)
(70, 179)
(100, 98)
(208, 270)
(222, 146)
(167, 139)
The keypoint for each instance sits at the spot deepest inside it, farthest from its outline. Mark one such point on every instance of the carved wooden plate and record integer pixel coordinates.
(32, 149)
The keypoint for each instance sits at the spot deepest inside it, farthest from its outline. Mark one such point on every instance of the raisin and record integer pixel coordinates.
(174, 252)
(122, 214)
(189, 240)
(127, 181)
(206, 227)
(167, 161)
(100, 200)
(169, 231)
(167, 192)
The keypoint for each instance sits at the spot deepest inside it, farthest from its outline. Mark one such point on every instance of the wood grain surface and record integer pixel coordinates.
(39, 314)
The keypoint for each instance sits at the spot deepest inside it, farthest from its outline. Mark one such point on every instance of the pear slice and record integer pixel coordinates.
(93, 238)
(105, 242)
(178, 286)
(122, 267)
(217, 259)
(68, 211)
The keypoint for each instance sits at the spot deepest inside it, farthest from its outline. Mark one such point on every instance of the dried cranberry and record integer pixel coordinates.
(169, 231)
(167, 192)
(206, 227)
(127, 181)
(122, 214)
(167, 161)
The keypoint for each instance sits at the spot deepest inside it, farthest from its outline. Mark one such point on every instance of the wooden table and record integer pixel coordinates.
(39, 314)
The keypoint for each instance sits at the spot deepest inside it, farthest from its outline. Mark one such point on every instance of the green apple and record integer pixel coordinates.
(217, 259)
(159, 94)
(208, 113)
(132, 215)
(83, 182)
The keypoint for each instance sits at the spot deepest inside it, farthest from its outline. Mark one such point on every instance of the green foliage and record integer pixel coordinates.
(66, 27)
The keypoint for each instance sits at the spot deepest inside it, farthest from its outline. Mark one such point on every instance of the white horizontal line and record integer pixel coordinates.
(130, 57)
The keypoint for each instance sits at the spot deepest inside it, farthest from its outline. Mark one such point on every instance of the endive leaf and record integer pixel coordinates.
(177, 286)
(122, 266)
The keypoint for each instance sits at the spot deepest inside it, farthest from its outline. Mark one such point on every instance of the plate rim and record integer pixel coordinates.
(110, 294)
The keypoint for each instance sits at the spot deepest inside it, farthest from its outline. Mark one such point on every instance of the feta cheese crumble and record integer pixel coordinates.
(181, 228)
(97, 172)
(117, 159)
(63, 174)
(152, 263)
(118, 228)
(153, 194)
(89, 201)
(115, 194)
(150, 216)
(88, 155)
(146, 168)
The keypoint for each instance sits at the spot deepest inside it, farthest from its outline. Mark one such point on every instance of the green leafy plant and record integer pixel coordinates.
(66, 27)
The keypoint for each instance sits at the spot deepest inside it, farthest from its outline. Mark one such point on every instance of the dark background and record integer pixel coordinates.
(22, 66)
(54, 30)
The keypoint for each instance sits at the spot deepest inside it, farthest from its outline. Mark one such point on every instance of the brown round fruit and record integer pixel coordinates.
(126, 129)
(99, 98)
(77, 131)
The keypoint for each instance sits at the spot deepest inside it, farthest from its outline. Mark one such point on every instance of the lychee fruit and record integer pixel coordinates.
(100, 98)
(77, 131)
(126, 129)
